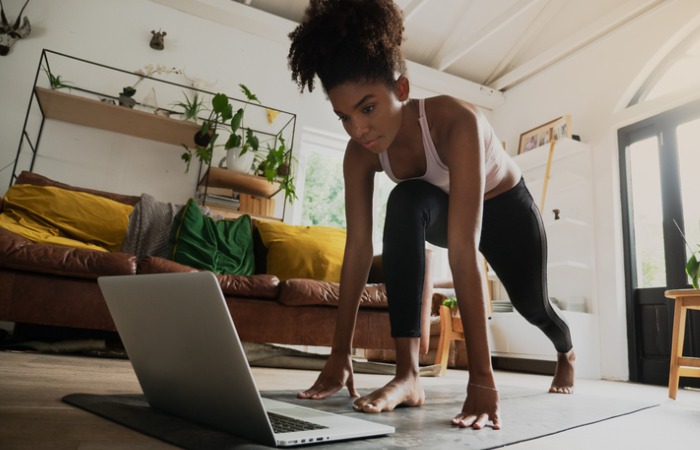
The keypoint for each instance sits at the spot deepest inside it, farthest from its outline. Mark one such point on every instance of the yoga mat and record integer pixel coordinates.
(527, 414)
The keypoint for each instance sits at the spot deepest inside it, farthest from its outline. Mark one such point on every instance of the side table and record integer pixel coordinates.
(681, 366)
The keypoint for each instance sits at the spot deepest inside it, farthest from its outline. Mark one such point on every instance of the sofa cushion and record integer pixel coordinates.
(295, 251)
(53, 215)
(40, 180)
(222, 246)
(155, 264)
(19, 253)
(301, 292)
(254, 286)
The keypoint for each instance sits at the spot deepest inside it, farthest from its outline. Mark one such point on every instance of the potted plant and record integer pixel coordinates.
(126, 97)
(451, 302)
(191, 107)
(55, 81)
(692, 267)
(275, 165)
(221, 114)
(241, 148)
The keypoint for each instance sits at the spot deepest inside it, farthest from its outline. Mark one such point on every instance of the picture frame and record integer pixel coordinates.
(543, 134)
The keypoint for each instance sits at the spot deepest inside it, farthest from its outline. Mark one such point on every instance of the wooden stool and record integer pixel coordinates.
(450, 330)
(681, 366)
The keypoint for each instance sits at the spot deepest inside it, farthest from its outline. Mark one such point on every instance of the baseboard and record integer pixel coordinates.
(535, 366)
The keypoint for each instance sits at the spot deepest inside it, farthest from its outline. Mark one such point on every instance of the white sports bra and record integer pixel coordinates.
(437, 173)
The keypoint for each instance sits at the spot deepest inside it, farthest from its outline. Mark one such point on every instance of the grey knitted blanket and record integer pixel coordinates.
(149, 228)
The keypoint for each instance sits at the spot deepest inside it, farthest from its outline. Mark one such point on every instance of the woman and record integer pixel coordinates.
(457, 188)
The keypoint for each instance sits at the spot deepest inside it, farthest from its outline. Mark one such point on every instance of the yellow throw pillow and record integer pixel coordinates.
(296, 251)
(52, 215)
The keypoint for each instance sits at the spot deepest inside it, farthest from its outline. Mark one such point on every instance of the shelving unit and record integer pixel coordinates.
(105, 116)
(90, 100)
(571, 256)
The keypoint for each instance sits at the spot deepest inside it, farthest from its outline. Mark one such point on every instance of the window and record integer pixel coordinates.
(645, 204)
(322, 191)
(688, 138)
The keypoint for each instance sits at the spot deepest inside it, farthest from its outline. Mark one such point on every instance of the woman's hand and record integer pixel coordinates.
(480, 407)
(336, 374)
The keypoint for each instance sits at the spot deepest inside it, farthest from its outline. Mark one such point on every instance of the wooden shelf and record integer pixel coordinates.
(84, 111)
(241, 182)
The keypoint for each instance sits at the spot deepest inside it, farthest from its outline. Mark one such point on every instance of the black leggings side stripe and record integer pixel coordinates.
(514, 242)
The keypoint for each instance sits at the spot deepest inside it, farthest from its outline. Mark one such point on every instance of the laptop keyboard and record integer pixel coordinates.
(284, 424)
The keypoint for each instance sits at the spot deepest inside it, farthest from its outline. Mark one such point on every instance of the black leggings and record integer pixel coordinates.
(512, 240)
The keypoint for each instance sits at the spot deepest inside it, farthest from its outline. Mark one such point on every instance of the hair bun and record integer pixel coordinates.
(359, 37)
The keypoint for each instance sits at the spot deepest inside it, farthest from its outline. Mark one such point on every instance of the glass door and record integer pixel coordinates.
(659, 161)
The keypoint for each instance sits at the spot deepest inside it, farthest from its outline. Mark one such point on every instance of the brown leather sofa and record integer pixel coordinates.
(53, 285)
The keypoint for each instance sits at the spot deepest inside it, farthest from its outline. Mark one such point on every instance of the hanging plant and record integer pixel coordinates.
(277, 167)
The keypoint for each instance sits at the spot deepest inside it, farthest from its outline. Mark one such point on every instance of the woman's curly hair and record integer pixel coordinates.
(347, 40)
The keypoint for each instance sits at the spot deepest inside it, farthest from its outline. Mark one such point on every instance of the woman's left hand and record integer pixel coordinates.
(480, 407)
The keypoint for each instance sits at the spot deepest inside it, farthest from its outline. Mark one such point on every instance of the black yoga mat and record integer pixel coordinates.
(527, 414)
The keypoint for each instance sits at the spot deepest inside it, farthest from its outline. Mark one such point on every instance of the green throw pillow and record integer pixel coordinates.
(223, 246)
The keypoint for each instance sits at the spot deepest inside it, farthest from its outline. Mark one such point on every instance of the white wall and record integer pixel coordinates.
(591, 86)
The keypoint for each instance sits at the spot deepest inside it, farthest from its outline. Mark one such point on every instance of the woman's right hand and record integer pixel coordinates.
(336, 374)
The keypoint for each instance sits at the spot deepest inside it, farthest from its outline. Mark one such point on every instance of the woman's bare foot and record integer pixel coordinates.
(398, 392)
(563, 382)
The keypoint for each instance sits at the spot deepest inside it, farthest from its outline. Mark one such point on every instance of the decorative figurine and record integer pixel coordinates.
(158, 39)
(9, 34)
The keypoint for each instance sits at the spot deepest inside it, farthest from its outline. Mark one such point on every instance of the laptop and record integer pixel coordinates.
(189, 361)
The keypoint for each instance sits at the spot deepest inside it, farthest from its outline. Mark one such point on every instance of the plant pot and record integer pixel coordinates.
(239, 163)
(126, 101)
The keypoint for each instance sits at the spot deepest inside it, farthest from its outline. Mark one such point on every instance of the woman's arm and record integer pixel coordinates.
(359, 167)
(358, 172)
(465, 159)
(459, 136)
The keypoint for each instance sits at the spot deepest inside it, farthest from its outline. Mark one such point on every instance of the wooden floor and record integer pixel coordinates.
(33, 417)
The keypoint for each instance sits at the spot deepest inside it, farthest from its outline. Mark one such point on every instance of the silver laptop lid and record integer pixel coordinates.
(182, 343)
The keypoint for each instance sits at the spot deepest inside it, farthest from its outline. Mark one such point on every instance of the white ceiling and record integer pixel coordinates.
(495, 43)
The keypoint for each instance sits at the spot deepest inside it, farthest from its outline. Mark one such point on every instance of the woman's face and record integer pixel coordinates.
(370, 111)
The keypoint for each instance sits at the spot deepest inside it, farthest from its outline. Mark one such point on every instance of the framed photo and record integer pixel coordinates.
(556, 129)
